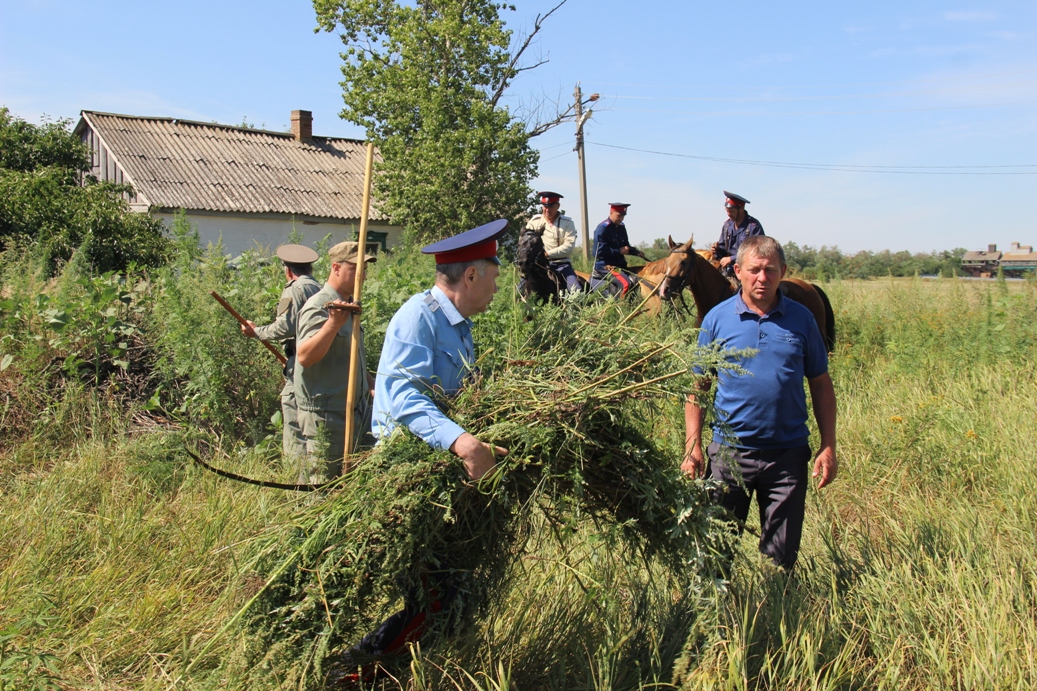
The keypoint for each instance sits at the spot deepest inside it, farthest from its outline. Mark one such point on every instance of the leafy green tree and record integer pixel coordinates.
(426, 80)
(43, 201)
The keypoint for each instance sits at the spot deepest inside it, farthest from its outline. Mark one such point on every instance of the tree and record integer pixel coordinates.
(425, 79)
(43, 203)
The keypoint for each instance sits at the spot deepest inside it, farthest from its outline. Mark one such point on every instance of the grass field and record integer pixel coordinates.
(121, 562)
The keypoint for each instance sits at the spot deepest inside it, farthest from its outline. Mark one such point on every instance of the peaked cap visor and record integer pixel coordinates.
(477, 243)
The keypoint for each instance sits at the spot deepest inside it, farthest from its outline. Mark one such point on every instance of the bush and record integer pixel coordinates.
(42, 200)
(209, 373)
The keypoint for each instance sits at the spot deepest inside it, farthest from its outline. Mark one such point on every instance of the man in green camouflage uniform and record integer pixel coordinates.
(323, 369)
(298, 270)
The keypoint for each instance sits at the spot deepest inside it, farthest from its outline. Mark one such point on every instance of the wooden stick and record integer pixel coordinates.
(354, 344)
(241, 320)
(643, 302)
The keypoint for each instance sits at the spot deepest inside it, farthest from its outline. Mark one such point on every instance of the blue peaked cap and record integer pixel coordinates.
(477, 243)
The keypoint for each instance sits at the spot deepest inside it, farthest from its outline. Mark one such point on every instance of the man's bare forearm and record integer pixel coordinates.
(694, 416)
(822, 394)
(313, 349)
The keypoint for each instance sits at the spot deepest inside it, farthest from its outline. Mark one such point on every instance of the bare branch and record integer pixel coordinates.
(560, 116)
(512, 69)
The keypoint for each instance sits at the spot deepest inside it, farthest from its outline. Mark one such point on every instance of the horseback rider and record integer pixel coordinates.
(559, 235)
(736, 229)
(611, 247)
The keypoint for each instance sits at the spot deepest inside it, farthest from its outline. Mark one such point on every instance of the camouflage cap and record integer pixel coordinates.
(346, 252)
(296, 254)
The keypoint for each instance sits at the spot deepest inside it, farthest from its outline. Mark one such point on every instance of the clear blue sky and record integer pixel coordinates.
(911, 87)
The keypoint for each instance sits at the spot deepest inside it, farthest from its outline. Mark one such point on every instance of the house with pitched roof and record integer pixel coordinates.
(1019, 259)
(245, 186)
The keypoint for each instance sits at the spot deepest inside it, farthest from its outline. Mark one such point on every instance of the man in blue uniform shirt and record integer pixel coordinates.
(611, 248)
(427, 354)
(738, 226)
(760, 440)
(428, 347)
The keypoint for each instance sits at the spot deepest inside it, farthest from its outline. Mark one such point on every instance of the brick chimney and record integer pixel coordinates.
(302, 126)
(991, 248)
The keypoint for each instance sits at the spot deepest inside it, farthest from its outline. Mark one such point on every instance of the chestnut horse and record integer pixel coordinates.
(687, 268)
(666, 271)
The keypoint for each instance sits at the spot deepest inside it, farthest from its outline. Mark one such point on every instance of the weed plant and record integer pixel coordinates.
(122, 563)
(918, 569)
(572, 407)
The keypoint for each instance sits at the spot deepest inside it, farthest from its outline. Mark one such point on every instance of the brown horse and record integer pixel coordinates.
(661, 279)
(683, 268)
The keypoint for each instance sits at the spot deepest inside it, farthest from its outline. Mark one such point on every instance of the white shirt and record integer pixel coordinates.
(559, 237)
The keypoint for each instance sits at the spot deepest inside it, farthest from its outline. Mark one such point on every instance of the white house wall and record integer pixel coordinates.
(240, 233)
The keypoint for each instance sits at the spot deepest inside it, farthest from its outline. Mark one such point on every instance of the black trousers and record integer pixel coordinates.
(779, 478)
(409, 624)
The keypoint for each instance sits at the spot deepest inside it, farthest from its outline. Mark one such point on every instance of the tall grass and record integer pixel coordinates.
(918, 569)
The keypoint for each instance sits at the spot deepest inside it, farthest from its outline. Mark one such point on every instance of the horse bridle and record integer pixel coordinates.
(678, 283)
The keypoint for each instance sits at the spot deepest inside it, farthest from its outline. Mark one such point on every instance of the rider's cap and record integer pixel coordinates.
(549, 197)
(477, 243)
(734, 200)
(618, 206)
(296, 254)
(347, 252)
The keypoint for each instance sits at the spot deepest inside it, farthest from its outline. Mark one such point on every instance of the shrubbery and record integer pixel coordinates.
(42, 202)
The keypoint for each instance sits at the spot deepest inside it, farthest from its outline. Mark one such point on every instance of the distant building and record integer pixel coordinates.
(1019, 259)
(977, 263)
(1016, 261)
(247, 186)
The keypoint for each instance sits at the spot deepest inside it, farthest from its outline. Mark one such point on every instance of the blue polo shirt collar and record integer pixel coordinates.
(449, 311)
(741, 307)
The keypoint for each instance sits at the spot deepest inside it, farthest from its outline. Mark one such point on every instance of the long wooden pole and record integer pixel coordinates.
(354, 343)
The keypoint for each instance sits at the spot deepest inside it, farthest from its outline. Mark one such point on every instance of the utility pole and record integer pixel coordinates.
(581, 118)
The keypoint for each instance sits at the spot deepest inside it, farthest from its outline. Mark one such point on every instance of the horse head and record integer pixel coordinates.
(679, 266)
(531, 259)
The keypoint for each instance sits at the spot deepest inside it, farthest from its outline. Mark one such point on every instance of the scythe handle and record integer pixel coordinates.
(241, 320)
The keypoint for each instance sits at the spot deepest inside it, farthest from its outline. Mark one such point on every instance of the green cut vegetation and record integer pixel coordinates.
(126, 567)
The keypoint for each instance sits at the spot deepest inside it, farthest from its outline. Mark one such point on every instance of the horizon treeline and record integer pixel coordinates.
(830, 262)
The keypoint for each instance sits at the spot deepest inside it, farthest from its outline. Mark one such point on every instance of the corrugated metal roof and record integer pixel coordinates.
(981, 256)
(1019, 258)
(205, 166)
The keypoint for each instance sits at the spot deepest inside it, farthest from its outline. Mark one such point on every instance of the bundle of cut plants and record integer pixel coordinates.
(573, 396)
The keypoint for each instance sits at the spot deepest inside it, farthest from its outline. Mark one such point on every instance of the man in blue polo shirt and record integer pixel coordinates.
(760, 440)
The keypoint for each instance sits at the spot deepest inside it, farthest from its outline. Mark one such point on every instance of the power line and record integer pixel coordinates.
(816, 112)
(743, 87)
(566, 153)
(888, 94)
(555, 146)
(846, 168)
